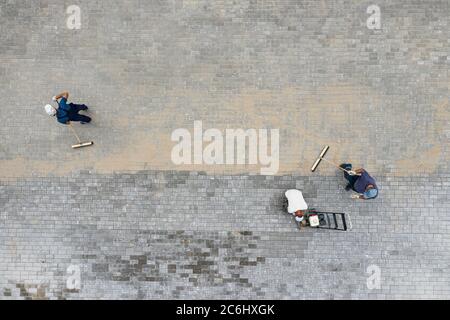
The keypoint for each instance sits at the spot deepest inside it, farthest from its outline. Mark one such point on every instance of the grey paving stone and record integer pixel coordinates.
(139, 227)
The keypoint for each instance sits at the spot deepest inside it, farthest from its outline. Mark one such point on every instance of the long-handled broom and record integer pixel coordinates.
(80, 144)
(321, 157)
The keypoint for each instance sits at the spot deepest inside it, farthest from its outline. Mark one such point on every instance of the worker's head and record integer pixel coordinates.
(51, 111)
(371, 192)
(299, 213)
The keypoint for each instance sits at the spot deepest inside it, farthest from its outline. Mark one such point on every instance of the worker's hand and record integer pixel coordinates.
(352, 173)
(299, 213)
(354, 196)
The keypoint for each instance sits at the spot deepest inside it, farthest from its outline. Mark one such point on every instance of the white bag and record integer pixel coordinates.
(313, 220)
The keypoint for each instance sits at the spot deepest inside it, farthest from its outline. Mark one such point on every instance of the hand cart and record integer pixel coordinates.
(332, 220)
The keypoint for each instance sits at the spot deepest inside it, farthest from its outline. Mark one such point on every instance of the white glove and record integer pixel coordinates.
(54, 98)
(352, 173)
(354, 196)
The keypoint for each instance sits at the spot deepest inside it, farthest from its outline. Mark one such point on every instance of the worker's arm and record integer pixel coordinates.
(354, 172)
(64, 94)
(357, 196)
(359, 171)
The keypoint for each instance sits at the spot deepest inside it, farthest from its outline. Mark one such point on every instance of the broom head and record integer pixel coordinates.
(322, 154)
(82, 145)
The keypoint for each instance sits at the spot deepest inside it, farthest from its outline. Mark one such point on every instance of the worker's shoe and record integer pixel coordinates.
(348, 187)
(346, 166)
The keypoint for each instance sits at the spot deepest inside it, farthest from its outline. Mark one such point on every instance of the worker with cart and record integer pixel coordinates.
(296, 205)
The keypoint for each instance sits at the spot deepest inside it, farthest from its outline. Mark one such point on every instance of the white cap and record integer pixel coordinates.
(295, 200)
(51, 111)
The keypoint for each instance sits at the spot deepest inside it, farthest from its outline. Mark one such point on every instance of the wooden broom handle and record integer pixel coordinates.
(74, 132)
(334, 164)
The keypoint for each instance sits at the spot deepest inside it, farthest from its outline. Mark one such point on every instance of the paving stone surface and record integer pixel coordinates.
(137, 226)
(191, 235)
(311, 69)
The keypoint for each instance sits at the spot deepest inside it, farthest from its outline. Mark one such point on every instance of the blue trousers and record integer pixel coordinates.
(73, 113)
(351, 179)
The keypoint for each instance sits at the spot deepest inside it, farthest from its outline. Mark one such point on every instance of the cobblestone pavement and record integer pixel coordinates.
(192, 235)
(138, 226)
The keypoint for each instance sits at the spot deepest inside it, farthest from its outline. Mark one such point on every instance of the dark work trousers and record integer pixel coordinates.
(73, 113)
(351, 179)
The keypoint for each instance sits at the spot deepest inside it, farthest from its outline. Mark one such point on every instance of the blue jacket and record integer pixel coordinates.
(62, 114)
